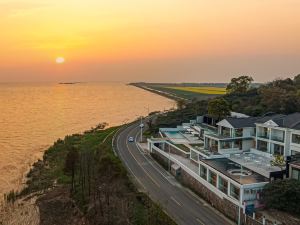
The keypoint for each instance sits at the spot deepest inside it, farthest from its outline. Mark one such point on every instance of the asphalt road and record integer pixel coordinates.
(180, 203)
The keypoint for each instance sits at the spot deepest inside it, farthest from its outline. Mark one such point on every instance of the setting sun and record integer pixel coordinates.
(60, 60)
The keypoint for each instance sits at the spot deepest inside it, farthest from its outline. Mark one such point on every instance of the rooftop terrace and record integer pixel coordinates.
(258, 163)
(235, 171)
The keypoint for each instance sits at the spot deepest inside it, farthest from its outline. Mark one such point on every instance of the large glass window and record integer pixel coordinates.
(278, 149)
(238, 144)
(296, 138)
(239, 132)
(203, 172)
(234, 192)
(295, 174)
(225, 131)
(212, 178)
(225, 144)
(295, 152)
(263, 132)
(262, 146)
(223, 185)
(278, 135)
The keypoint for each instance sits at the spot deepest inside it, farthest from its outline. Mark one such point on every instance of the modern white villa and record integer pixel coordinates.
(232, 157)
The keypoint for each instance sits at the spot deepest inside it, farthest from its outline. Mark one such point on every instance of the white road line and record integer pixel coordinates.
(138, 180)
(199, 221)
(157, 169)
(175, 201)
(151, 178)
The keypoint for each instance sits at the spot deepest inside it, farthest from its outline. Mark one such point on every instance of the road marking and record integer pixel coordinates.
(121, 154)
(199, 221)
(151, 178)
(175, 201)
(157, 169)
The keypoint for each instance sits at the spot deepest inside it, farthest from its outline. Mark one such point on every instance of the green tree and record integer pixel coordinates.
(218, 108)
(283, 195)
(71, 162)
(278, 161)
(239, 85)
(297, 81)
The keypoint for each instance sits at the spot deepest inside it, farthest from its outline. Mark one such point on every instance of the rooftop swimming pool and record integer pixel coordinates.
(174, 134)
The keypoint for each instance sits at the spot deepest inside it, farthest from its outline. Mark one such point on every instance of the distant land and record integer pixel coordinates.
(70, 82)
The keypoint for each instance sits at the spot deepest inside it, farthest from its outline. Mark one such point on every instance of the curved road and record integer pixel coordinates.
(180, 203)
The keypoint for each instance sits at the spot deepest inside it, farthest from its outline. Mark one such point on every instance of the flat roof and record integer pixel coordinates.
(225, 165)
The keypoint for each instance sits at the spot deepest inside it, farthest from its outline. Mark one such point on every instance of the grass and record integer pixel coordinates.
(202, 90)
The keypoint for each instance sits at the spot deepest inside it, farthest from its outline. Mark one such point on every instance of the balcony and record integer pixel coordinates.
(278, 139)
(263, 135)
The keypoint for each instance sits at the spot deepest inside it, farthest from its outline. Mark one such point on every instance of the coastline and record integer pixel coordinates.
(158, 92)
(46, 186)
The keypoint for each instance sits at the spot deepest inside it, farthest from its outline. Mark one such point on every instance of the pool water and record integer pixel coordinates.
(174, 134)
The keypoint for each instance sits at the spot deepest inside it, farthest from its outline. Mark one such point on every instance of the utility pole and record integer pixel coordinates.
(169, 166)
(141, 125)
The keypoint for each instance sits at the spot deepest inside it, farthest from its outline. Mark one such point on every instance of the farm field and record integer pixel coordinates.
(186, 91)
(202, 90)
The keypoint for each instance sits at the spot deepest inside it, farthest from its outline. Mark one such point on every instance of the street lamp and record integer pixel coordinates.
(141, 126)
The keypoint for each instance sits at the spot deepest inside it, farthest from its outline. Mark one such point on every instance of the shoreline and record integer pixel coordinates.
(161, 93)
(34, 203)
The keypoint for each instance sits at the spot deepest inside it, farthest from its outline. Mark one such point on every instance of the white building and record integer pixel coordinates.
(232, 157)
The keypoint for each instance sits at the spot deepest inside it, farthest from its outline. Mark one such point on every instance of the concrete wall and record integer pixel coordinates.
(247, 144)
(248, 132)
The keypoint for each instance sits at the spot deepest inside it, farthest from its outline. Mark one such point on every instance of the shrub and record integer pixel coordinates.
(283, 195)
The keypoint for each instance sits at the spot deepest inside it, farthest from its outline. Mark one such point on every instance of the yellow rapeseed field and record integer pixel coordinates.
(202, 90)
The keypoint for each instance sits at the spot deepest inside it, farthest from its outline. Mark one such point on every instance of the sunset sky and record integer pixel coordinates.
(148, 40)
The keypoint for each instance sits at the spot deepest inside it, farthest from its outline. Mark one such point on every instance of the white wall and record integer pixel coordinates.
(247, 144)
(248, 132)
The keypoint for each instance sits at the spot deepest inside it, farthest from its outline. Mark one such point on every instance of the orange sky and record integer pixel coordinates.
(157, 40)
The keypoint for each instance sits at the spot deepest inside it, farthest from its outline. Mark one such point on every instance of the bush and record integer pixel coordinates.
(283, 195)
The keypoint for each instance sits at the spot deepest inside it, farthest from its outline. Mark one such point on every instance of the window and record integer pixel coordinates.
(263, 132)
(238, 144)
(225, 144)
(203, 172)
(296, 138)
(223, 184)
(278, 149)
(295, 173)
(295, 152)
(225, 131)
(212, 178)
(262, 146)
(234, 192)
(239, 132)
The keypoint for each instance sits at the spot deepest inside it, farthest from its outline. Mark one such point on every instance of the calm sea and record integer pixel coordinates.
(33, 116)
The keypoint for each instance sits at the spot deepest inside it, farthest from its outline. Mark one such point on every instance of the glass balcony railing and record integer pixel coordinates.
(263, 135)
(279, 139)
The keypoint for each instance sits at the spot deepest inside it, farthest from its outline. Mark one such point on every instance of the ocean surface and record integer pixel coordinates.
(33, 116)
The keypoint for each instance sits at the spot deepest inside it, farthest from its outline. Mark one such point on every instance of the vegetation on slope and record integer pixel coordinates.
(278, 96)
(95, 179)
(283, 195)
